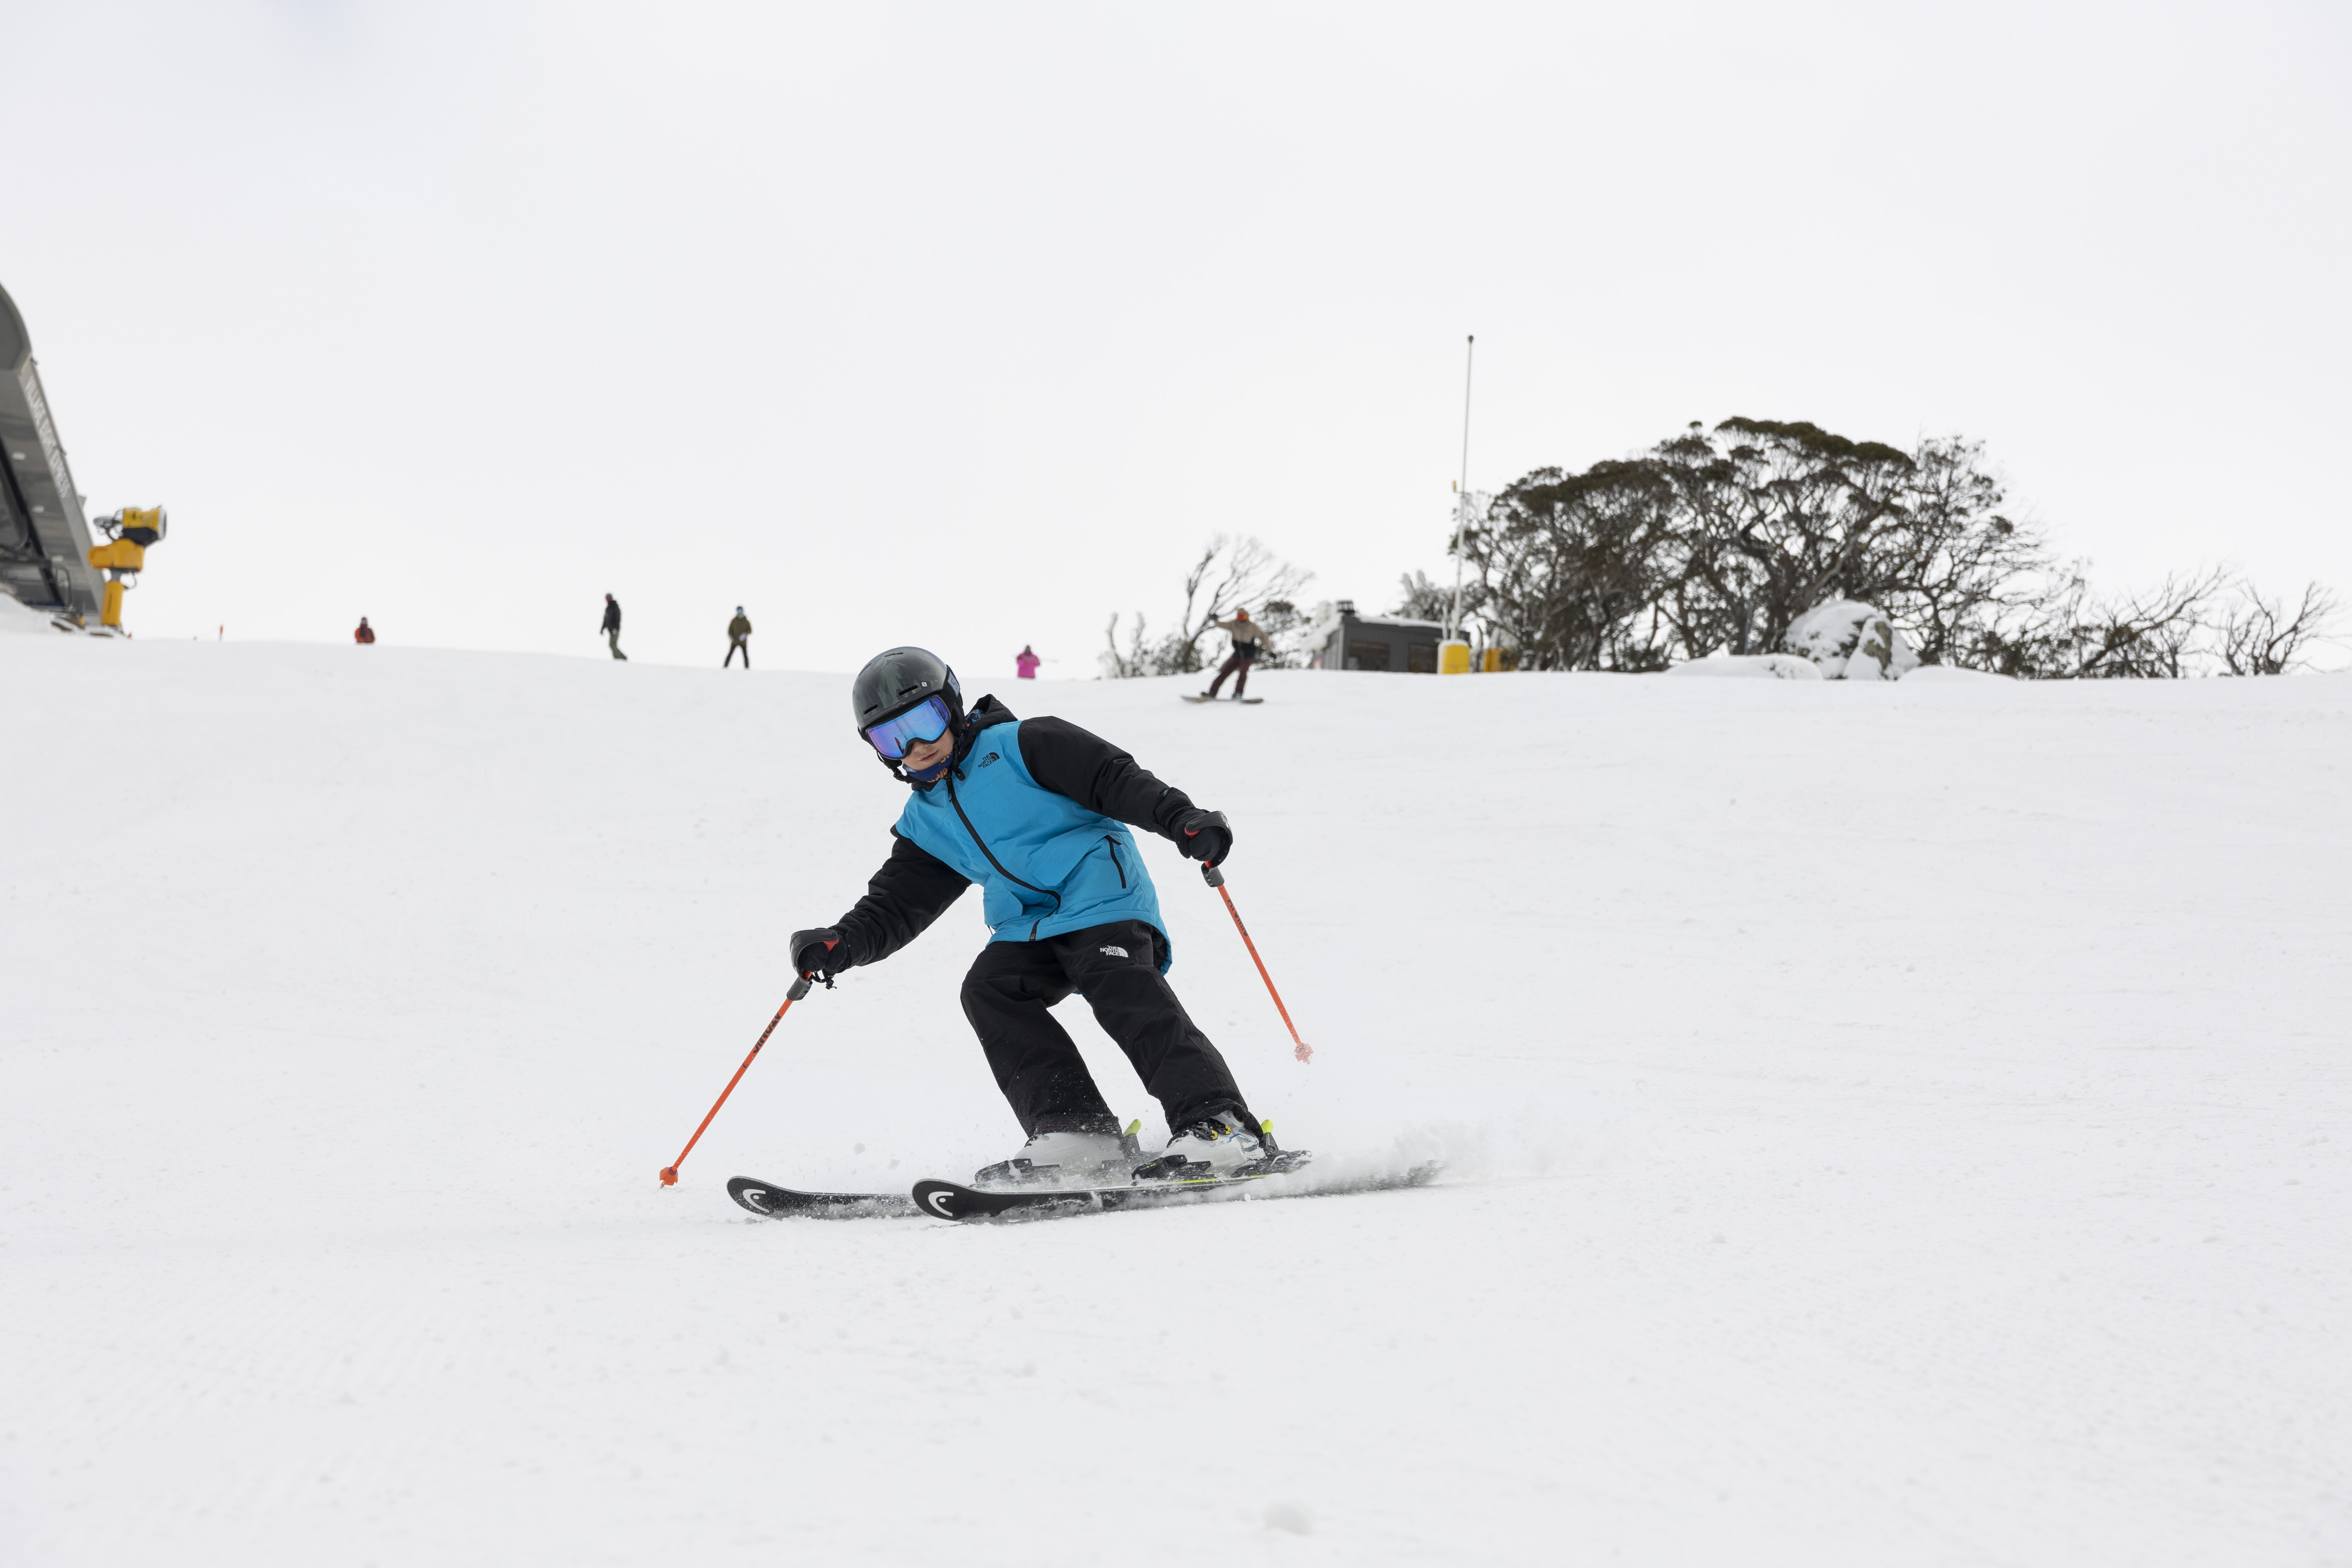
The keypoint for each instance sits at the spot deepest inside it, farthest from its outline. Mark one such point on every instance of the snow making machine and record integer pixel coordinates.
(47, 559)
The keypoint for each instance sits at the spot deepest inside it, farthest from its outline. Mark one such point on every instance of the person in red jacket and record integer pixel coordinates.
(366, 633)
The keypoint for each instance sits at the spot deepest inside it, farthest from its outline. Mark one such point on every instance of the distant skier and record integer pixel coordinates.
(1035, 811)
(1025, 663)
(1245, 634)
(739, 639)
(612, 626)
(366, 633)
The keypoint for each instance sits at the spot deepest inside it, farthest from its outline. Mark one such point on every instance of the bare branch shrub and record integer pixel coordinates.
(1126, 664)
(2146, 636)
(1419, 599)
(2259, 635)
(1230, 575)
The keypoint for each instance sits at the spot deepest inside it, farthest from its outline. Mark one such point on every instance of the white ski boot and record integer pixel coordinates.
(1216, 1146)
(1092, 1156)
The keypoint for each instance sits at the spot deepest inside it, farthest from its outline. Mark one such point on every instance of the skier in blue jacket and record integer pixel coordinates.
(1038, 812)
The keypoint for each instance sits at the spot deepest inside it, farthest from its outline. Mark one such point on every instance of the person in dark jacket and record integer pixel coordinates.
(1039, 813)
(365, 634)
(612, 626)
(739, 639)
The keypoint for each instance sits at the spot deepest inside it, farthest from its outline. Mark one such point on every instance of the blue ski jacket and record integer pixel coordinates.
(1038, 813)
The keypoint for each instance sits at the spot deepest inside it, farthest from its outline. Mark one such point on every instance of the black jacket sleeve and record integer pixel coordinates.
(913, 888)
(1100, 776)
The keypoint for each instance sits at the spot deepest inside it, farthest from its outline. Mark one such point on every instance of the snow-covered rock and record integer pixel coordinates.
(1752, 666)
(1847, 640)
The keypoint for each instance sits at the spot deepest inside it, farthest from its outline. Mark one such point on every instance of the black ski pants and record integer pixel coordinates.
(735, 647)
(1240, 660)
(1116, 968)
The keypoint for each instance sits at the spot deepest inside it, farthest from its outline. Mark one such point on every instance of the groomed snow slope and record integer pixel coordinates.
(1886, 1124)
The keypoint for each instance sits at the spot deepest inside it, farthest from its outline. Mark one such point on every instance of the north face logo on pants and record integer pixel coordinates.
(1114, 953)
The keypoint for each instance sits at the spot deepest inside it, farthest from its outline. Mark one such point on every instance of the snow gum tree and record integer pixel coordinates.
(1775, 519)
(1570, 567)
(1722, 539)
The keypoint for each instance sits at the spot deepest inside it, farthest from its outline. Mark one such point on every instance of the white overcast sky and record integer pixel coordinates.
(965, 324)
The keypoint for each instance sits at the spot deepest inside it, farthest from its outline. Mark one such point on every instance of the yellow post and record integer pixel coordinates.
(1454, 657)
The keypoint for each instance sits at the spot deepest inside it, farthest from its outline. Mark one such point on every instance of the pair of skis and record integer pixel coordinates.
(953, 1200)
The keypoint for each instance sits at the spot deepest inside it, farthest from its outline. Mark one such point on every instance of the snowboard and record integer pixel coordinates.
(772, 1202)
(1189, 698)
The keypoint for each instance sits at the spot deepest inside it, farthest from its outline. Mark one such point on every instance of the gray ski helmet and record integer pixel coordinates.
(898, 678)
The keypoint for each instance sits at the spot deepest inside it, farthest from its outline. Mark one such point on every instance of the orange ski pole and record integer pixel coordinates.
(1216, 879)
(800, 989)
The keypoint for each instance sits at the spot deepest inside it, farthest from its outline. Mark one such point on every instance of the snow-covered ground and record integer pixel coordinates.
(1885, 1123)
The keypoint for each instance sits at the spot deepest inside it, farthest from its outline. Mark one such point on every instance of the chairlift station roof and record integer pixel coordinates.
(44, 533)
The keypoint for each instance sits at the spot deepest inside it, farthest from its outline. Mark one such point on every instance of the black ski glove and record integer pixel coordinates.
(821, 952)
(1203, 835)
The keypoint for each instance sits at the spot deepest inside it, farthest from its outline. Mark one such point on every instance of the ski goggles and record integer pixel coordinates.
(927, 721)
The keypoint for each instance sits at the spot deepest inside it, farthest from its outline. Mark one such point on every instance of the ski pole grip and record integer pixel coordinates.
(801, 988)
(1211, 875)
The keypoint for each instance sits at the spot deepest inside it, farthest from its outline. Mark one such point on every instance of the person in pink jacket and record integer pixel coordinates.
(1027, 662)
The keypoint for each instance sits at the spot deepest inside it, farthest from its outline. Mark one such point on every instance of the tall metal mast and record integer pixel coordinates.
(1462, 494)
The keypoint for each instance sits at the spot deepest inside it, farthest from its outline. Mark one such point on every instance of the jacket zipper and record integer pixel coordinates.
(992, 860)
(1115, 863)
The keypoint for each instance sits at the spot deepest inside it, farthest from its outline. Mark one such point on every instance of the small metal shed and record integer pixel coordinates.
(1377, 642)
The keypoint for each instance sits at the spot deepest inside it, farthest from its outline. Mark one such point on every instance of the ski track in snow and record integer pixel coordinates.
(1882, 1124)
